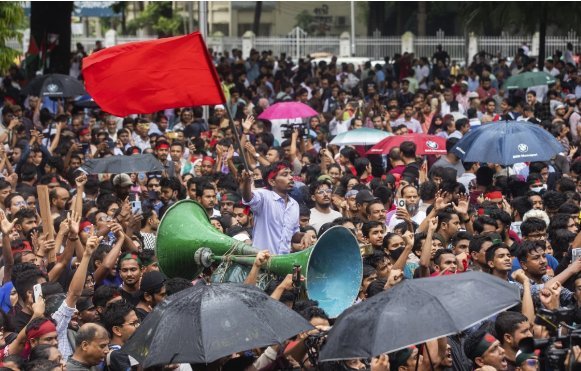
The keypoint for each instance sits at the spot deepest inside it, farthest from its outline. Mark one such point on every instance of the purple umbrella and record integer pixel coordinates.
(287, 111)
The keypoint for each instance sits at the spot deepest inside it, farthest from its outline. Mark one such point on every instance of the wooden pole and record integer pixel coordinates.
(46, 216)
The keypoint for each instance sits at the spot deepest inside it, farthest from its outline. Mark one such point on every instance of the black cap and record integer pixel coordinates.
(152, 281)
(85, 304)
(364, 196)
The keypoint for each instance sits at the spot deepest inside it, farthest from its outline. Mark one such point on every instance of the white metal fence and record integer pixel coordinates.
(376, 47)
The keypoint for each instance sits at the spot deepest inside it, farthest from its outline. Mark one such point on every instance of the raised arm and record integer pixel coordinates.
(7, 228)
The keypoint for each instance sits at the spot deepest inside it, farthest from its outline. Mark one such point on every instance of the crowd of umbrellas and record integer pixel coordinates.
(209, 321)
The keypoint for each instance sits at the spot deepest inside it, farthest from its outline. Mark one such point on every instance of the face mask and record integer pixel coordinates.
(539, 189)
(395, 254)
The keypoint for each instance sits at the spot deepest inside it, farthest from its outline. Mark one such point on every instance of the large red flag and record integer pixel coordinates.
(149, 76)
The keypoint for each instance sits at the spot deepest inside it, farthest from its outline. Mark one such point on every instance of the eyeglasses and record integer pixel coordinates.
(134, 324)
(324, 191)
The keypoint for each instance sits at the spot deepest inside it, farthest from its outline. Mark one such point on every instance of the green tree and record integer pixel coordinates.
(11, 21)
(305, 21)
(525, 17)
(158, 17)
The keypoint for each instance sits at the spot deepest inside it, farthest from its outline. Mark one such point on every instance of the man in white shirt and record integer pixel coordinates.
(408, 120)
(322, 213)
(422, 72)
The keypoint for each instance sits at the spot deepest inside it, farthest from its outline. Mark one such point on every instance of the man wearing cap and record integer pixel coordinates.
(527, 361)
(322, 213)
(227, 202)
(362, 200)
(207, 168)
(130, 269)
(485, 350)
(152, 293)
(276, 214)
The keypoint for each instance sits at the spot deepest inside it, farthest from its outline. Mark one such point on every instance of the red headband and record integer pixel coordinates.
(275, 171)
(494, 195)
(209, 159)
(162, 145)
(46, 328)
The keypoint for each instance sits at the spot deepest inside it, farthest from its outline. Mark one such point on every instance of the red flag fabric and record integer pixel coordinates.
(149, 76)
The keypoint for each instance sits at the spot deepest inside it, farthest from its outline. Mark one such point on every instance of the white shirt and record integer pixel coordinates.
(318, 218)
(418, 218)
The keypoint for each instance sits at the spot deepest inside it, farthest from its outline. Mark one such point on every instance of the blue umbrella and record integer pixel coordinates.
(507, 143)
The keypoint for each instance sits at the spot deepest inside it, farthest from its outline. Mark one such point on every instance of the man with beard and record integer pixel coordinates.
(130, 272)
(227, 202)
(243, 215)
(411, 210)
(511, 328)
(25, 224)
(276, 213)
(149, 224)
(206, 196)
(485, 350)
(322, 213)
(152, 293)
(162, 153)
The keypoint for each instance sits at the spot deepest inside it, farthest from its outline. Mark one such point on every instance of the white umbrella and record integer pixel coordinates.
(360, 137)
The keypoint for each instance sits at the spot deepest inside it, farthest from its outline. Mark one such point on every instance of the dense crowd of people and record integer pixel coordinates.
(414, 216)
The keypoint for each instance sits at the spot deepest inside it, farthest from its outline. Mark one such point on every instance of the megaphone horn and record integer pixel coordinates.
(333, 267)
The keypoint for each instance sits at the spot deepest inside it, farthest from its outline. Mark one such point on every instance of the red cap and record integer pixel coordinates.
(494, 195)
(84, 131)
(208, 159)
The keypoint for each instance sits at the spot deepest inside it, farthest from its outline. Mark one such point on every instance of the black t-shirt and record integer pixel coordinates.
(141, 314)
(18, 319)
(117, 360)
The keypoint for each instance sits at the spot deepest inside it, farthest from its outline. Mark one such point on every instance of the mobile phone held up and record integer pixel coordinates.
(37, 291)
(135, 203)
(400, 202)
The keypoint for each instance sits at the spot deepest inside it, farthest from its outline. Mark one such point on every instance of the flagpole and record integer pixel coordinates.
(235, 134)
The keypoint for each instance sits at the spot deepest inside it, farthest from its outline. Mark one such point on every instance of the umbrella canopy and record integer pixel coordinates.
(416, 311)
(426, 144)
(287, 111)
(360, 137)
(143, 163)
(528, 79)
(54, 86)
(85, 101)
(207, 322)
(507, 143)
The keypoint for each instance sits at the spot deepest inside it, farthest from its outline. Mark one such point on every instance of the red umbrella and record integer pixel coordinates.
(426, 144)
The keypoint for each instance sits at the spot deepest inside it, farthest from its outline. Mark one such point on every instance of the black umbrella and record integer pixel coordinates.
(416, 311)
(85, 101)
(144, 163)
(207, 322)
(54, 86)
